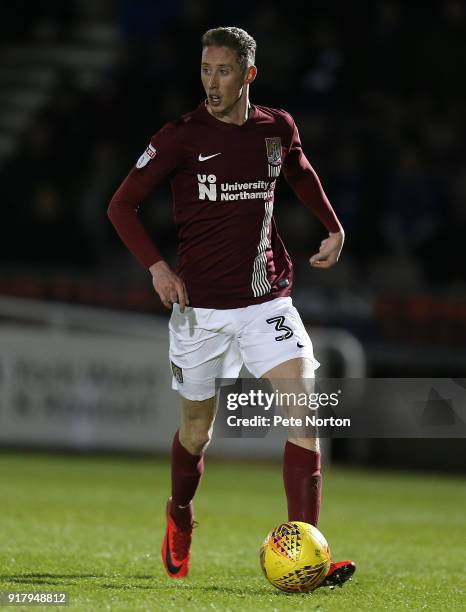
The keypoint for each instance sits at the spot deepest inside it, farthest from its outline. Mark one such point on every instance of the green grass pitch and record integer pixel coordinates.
(93, 527)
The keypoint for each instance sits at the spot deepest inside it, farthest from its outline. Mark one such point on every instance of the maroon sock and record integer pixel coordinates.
(303, 483)
(187, 470)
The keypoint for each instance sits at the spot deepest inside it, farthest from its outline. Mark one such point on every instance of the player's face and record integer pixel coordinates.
(222, 78)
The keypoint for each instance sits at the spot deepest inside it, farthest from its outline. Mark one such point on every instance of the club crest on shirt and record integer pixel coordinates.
(145, 158)
(274, 155)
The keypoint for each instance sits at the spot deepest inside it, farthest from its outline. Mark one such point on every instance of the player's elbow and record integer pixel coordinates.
(115, 207)
(111, 209)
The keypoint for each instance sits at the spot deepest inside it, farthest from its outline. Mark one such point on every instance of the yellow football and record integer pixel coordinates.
(295, 557)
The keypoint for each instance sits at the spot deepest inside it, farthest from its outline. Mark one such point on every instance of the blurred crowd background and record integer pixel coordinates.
(376, 89)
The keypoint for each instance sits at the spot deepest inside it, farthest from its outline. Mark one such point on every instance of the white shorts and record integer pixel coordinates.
(206, 343)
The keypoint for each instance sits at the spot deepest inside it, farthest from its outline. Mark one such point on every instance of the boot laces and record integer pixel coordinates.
(182, 542)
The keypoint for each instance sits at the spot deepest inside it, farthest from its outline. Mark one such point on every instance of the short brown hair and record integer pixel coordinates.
(233, 38)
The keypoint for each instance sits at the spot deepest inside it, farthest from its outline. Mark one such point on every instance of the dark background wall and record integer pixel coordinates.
(378, 93)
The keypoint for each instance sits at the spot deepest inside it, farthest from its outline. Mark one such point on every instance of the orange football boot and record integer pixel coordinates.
(338, 574)
(176, 548)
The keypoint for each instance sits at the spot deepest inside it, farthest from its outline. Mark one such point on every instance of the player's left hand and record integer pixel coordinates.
(329, 251)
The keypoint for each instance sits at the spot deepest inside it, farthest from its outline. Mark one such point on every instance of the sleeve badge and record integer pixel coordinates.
(146, 157)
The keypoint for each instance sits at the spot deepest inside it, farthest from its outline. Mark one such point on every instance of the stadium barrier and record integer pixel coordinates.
(79, 378)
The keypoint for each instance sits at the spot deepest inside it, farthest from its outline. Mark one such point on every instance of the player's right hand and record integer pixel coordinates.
(170, 288)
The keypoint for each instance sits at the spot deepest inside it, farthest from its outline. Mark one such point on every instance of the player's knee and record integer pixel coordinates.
(201, 441)
(197, 422)
(196, 439)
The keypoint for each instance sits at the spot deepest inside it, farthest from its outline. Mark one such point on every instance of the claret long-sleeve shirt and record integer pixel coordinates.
(223, 179)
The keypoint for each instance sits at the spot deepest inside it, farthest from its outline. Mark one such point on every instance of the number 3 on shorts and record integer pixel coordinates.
(280, 327)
